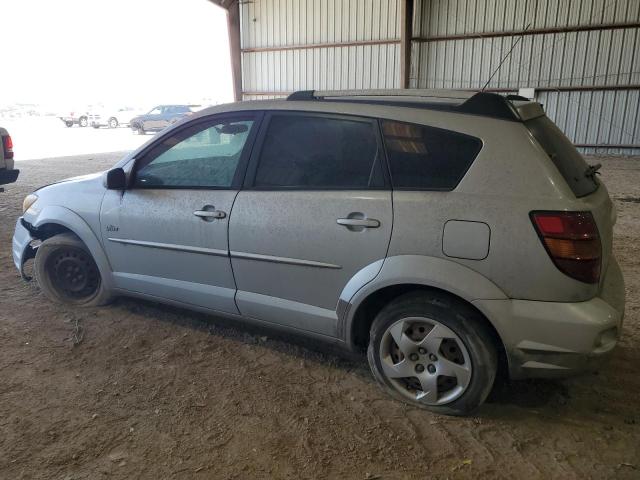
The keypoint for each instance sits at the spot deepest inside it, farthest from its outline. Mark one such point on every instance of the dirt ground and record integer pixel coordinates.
(155, 392)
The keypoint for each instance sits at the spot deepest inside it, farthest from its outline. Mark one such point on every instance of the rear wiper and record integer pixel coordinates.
(592, 170)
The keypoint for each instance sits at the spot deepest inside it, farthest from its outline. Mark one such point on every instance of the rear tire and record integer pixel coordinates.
(69, 124)
(113, 122)
(67, 273)
(83, 122)
(433, 351)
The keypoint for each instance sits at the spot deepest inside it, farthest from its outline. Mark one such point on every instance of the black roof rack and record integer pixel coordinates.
(482, 103)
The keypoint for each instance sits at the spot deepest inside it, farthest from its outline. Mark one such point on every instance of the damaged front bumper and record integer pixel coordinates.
(23, 249)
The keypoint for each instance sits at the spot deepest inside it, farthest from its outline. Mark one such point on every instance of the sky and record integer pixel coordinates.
(73, 53)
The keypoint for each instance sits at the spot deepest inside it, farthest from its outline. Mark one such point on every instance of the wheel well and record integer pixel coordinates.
(48, 230)
(371, 306)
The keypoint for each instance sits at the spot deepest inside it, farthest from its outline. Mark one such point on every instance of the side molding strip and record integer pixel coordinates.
(223, 253)
(290, 261)
(171, 246)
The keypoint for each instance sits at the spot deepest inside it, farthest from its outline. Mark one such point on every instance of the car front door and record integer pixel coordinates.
(151, 120)
(168, 113)
(315, 210)
(166, 234)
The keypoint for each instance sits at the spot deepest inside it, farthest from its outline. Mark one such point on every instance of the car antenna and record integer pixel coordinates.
(513, 45)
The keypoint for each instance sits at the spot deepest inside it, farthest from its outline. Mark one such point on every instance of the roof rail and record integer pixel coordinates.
(406, 92)
(474, 103)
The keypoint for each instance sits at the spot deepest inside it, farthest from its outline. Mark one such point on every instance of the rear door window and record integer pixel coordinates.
(564, 155)
(427, 158)
(319, 152)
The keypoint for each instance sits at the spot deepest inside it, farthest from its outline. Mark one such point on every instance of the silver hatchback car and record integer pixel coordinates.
(443, 232)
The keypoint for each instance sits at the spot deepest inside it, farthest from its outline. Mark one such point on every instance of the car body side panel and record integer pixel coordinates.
(287, 245)
(158, 246)
(418, 270)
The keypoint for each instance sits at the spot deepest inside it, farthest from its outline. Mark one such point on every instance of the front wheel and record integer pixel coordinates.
(138, 129)
(67, 273)
(113, 122)
(434, 352)
(84, 121)
(69, 124)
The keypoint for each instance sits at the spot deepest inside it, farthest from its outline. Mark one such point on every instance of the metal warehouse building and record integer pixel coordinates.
(580, 58)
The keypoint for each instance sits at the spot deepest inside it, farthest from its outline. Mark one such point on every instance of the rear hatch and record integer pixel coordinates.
(591, 195)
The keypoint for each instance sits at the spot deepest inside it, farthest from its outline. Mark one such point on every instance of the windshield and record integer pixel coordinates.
(575, 170)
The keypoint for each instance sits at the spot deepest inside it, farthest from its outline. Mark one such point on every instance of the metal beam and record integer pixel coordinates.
(537, 31)
(406, 33)
(308, 46)
(575, 88)
(569, 88)
(233, 27)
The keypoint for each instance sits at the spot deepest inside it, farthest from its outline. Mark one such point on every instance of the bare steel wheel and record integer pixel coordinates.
(425, 360)
(67, 273)
(73, 273)
(433, 350)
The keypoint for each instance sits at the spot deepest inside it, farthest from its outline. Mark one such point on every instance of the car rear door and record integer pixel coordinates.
(315, 210)
(167, 235)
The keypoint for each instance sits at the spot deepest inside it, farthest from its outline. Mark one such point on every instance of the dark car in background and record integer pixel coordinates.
(159, 117)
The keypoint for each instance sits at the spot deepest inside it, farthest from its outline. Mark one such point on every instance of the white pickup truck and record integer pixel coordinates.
(77, 117)
(7, 173)
(112, 117)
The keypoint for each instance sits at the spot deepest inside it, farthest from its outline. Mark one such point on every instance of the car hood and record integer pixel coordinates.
(79, 179)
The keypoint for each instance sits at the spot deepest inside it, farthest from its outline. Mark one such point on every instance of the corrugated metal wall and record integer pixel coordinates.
(562, 64)
(587, 76)
(290, 45)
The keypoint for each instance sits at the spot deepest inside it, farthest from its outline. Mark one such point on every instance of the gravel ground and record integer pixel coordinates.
(148, 391)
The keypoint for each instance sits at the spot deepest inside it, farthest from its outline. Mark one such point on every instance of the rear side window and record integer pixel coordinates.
(564, 155)
(427, 158)
(317, 152)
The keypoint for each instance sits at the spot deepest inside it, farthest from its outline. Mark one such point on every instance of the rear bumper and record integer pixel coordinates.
(8, 176)
(553, 339)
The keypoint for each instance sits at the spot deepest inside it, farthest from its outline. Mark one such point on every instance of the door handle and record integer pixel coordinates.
(209, 214)
(359, 222)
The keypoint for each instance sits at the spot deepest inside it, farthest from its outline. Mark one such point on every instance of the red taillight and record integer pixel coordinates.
(572, 241)
(7, 146)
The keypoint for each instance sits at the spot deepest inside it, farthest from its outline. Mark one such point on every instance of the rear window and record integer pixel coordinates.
(564, 155)
(427, 158)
